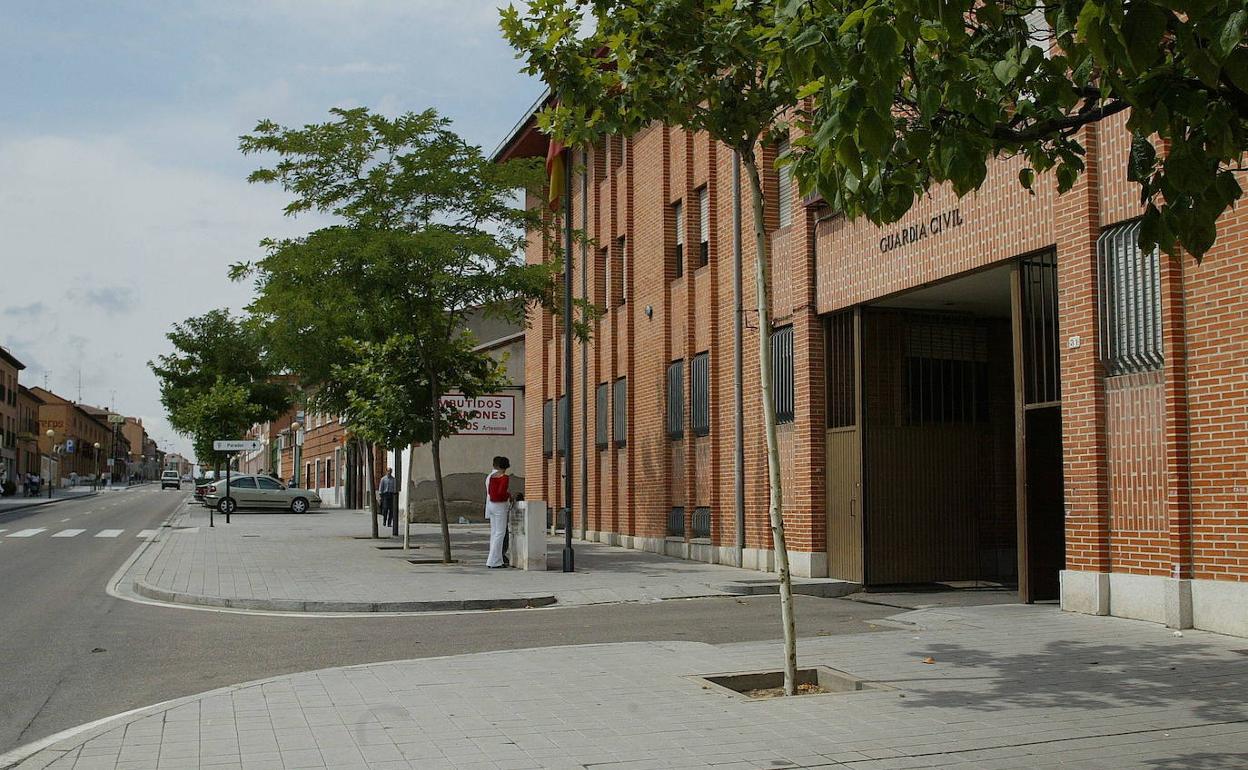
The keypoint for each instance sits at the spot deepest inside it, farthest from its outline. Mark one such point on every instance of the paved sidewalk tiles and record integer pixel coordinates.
(1012, 686)
(325, 562)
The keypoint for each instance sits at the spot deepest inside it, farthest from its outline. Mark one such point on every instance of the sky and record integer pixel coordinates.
(123, 197)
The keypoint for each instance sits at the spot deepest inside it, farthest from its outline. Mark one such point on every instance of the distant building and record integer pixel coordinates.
(9, 367)
(75, 432)
(29, 458)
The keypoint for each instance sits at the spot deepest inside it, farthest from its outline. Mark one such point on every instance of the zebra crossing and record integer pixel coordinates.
(69, 533)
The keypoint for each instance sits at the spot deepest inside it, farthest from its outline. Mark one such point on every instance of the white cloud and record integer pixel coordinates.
(109, 249)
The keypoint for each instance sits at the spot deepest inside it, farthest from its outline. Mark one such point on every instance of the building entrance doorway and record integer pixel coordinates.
(944, 459)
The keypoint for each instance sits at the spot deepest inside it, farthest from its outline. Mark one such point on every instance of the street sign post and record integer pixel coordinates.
(236, 446)
(117, 419)
(230, 448)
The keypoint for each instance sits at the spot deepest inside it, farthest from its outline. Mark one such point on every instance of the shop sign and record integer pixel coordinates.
(493, 415)
(943, 221)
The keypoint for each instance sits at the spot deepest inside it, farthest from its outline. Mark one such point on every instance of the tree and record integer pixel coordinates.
(692, 63)
(430, 232)
(216, 357)
(394, 400)
(905, 94)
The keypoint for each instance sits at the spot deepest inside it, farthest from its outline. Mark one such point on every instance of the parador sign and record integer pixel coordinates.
(946, 220)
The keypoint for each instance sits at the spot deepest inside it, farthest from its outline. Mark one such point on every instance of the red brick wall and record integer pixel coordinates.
(820, 266)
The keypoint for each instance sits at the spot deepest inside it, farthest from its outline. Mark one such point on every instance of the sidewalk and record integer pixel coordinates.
(1010, 686)
(325, 562)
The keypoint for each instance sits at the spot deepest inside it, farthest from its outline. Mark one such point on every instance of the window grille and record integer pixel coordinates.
(704, 227)
(782, 373)
(619, 415)
(699, 394)
(564, 423)
(678, 210)
(1128, 302)
(676, 400)
(620, 274)
(784, 191)
(701, 522)
(601, 416)
(548, 427)
(841, 371)
(676, 522)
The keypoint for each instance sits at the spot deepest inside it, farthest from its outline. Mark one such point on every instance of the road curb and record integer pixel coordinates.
(147, 590)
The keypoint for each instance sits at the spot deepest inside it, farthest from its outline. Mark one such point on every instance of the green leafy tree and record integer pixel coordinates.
(430, 232)
(395, 391)
(217, 355)
(616, 66)
(223, 410)
(905, 94)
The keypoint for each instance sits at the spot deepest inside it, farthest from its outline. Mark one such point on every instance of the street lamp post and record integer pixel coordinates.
(51, 434)
(295, 427)
(97, 466)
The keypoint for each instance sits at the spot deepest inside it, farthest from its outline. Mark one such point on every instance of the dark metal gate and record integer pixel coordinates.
(1038, 425)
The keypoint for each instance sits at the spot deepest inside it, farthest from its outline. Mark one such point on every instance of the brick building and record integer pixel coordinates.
(29, 458)
(1000, 388)
(75, 432)
(9, 368)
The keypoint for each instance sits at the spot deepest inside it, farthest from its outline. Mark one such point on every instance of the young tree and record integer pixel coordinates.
(216, 357)
(616, 66)
(430, 232)
(905, 94)
(395, 396)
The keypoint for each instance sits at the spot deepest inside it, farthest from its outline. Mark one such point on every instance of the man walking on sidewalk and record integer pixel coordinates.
(388, 494)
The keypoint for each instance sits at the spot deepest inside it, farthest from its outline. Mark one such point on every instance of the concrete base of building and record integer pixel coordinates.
(1210, 605)
(804, 564)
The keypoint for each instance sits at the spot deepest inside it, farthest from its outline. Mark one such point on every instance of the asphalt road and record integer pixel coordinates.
(70, 653)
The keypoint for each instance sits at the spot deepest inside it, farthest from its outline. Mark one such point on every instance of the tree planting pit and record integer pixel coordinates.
(767, 685)
(432, 561)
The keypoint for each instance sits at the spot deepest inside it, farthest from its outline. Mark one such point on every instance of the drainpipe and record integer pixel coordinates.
(737, 332)
(584, 347)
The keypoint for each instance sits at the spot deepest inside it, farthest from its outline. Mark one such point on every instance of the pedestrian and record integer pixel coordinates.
(388, 494)
(497, 506)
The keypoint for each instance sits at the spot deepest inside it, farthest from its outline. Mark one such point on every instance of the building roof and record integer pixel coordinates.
(7, 356)
(22, 390)
(524, 140)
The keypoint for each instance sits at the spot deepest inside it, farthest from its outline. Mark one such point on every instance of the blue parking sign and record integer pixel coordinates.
(69, 446)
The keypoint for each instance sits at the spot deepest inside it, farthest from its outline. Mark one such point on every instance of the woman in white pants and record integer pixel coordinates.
(497, 504)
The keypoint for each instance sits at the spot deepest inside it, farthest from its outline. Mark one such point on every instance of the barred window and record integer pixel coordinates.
(1129, 302)
(564, 421)
(782, 373)
(548, 427)
(678, 211)
(601, 416)
(704, 227)
(784, 191)
(701, 522)
(676, 400)
(619, 414)
(676, 522)
(619, 273)
(700, 394)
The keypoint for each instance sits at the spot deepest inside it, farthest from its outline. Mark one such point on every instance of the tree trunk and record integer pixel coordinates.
(776, 506)
(435, 448)
(369, 463)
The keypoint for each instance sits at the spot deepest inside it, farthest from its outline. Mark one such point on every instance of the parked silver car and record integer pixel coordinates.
(248, 491)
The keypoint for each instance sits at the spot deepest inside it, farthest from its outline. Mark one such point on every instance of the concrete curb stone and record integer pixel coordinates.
(145, 589)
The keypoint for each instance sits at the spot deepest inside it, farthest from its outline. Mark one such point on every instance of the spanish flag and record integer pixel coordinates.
(555, 172)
